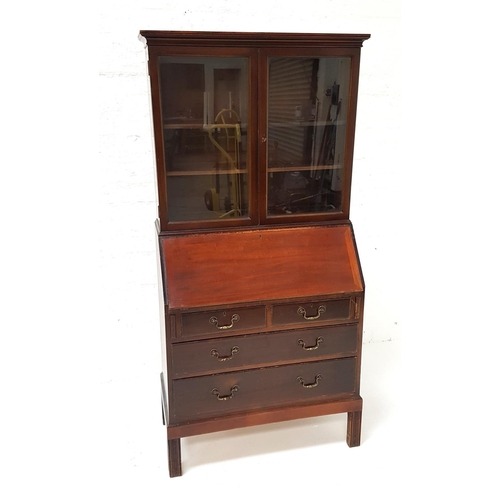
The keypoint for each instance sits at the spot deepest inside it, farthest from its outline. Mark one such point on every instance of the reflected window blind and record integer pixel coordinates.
(289, 96)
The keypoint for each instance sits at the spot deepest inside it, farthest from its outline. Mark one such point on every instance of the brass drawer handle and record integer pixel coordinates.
(234, 319)
(302, 312)
(312, 348)
(234, 350)
(216, 392)
(314, 384)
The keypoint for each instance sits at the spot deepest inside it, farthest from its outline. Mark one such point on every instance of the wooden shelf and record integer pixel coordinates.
(305, 123)
(182, 173)
(198, 125)
(304, 168)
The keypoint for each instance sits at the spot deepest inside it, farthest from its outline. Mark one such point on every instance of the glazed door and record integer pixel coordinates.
(307, 127)
(205, 145)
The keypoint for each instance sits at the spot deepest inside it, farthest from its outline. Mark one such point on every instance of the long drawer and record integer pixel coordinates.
(224, 354)
(214, 395)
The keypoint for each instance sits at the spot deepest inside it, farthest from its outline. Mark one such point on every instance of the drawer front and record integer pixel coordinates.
(223, 321)
(222, 394)
(208, 356)
(309, 312)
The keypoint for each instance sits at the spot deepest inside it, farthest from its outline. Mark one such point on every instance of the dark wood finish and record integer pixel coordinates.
(241, 39)
(306, 312)
(353, 428)
(222, 321)
(262, 316)
(252, 351)
(155, 52)
(261, 417)
(256, 47)
(346, 48)
(264, 264)
(174, 457)
(261, 388)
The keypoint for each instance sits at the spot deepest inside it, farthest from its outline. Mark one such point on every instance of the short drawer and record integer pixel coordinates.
(223, 321)
(215, 395)
(309, 312)
(210, 356)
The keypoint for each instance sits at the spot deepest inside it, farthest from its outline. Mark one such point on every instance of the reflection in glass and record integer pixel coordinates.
(307, 110)
(204, 104)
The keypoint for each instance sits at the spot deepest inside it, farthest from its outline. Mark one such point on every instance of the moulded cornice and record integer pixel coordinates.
(246, 39)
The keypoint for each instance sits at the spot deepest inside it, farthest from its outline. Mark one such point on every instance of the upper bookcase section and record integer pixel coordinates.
(252, 128)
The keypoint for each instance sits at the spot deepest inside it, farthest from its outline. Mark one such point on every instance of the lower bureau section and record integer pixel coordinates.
(223, 394)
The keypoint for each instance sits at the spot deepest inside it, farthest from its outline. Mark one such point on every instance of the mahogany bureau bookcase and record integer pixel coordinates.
(261, 286)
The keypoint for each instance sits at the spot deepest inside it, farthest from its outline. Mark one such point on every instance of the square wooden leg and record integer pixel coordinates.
(353, 428)
(174, 457)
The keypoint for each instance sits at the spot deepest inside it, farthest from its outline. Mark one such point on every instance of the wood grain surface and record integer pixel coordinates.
(258, 265)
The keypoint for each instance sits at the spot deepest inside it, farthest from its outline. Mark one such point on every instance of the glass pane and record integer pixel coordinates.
(307, 109)
(204, 106)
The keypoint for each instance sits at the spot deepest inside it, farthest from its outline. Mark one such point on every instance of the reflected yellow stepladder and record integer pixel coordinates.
(232, 203)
